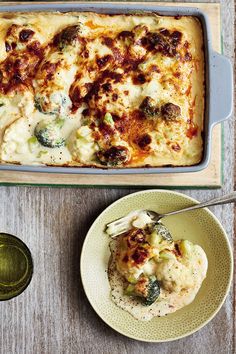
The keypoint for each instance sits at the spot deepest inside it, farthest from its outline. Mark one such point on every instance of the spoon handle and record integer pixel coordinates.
(228, 198)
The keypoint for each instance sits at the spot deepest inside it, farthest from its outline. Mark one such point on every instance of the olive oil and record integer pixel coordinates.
(16, 266)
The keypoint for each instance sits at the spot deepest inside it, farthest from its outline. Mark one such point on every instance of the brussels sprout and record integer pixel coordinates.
(55, 103)
(163, 232)
(153, 291)
(67, 37)
(149, 107)
(114, 156)
(147, 289)
(170, 111)
(49, 133)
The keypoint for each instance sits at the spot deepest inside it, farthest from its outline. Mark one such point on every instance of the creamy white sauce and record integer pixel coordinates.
(167, 302)
(16, 147)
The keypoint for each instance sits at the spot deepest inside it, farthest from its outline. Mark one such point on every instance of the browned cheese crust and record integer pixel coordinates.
(112, 91)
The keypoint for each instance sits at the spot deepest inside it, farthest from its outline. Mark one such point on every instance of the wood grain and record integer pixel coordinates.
(211, 176)
(53, 315)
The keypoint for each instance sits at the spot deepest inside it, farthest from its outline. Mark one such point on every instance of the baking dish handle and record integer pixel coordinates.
(221, 89)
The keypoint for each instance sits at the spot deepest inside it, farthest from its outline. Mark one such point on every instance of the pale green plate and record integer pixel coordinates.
(199, 226)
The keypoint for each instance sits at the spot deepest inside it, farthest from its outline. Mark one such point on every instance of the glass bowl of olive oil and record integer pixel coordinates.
(16, 266)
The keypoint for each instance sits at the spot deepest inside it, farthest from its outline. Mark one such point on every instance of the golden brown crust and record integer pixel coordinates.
(145, 71)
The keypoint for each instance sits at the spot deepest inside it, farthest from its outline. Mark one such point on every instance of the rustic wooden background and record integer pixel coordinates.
(53, 315)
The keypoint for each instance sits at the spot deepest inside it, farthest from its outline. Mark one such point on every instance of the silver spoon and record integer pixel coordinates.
(124, 224)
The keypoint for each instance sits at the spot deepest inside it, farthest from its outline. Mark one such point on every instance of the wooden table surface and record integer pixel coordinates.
(53, 315)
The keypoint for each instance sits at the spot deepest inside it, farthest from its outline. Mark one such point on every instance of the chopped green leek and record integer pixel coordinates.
(108, 119)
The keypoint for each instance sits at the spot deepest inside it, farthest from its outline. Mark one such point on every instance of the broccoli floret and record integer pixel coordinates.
(49, 133)
(147, 289)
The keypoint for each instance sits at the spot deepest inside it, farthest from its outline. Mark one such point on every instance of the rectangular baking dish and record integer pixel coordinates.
(218, 84)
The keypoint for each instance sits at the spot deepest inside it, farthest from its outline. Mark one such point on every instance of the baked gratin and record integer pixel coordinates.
(111, 91)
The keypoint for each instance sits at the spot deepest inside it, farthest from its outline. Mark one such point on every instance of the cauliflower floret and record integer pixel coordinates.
(82, 145)
(182, 272)
(174, 276)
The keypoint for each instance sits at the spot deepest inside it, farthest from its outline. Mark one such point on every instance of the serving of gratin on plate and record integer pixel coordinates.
(113, 91)
(150, 274)
(157, 281)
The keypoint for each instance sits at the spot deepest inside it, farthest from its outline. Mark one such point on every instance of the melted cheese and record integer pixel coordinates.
(114, 64)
